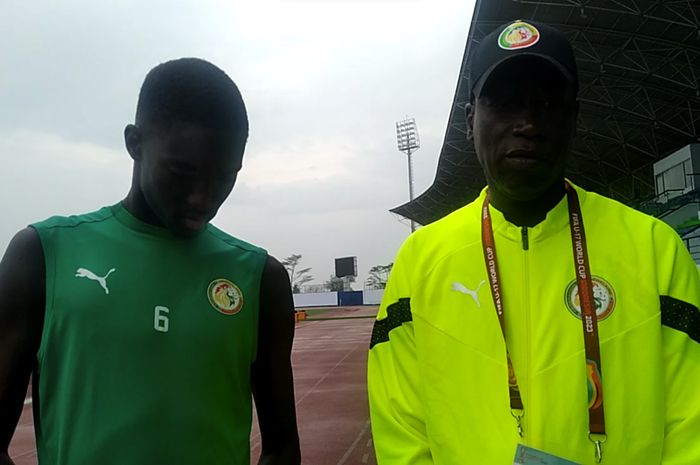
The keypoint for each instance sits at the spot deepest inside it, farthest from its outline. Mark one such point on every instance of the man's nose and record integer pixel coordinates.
(199, 198)
(528, 120)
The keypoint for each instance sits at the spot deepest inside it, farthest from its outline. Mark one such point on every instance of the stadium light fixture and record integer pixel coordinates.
(408, 142)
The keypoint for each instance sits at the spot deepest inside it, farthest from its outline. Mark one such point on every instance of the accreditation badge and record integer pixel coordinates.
(525, 455)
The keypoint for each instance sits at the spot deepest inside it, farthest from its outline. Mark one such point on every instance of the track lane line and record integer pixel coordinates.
(255, 440)
(354, 444)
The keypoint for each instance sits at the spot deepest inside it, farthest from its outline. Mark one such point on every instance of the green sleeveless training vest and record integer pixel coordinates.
(147, 344)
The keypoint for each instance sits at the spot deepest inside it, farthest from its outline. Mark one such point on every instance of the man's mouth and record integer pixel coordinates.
(193, 222)
(523, 153)
(525, 156)
(524, 159)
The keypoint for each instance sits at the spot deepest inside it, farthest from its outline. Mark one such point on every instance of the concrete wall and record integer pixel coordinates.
(689, 152)
(676, 158)
(330, 299)
(695, 161)
(373, 297)
(682, 215)
(350, 298)
(316, 299)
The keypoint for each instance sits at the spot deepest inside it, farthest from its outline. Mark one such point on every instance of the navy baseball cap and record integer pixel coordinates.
(521, 38)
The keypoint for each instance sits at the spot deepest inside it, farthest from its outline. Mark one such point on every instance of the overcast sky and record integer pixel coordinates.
(324, 82)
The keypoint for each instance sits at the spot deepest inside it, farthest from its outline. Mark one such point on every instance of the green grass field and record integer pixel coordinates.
(336, 313)
(312, 312)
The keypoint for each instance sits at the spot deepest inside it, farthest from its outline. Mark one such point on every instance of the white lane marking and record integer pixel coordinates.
(28, 401)
(257, 436)
(345, 457)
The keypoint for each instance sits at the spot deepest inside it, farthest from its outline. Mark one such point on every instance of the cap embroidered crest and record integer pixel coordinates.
(225, 296)
(518, 35)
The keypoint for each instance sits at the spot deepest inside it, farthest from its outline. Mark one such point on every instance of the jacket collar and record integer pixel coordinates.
(556, 220)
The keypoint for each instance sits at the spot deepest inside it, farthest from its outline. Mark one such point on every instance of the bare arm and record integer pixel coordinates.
(22, 297)
(273, 386)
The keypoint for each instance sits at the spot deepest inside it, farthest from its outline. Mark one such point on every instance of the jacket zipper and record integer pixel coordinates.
(526, 303)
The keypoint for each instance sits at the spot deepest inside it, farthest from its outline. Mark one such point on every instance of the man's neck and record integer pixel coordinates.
(531, 212)
(137, 206)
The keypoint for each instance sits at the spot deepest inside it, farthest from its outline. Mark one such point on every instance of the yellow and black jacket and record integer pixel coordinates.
(438, 375)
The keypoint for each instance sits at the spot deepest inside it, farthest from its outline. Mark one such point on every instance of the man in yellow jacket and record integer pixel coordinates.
(540, 323)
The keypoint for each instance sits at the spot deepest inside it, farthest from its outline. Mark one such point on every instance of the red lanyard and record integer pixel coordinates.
(589, 318)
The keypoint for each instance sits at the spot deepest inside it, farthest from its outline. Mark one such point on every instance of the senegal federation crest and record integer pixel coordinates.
(225, 296)
(603, 297)
(518, 35)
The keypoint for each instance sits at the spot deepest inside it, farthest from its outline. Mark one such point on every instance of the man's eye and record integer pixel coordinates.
(500, 103)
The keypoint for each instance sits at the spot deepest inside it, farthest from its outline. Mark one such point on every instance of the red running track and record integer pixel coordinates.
(330, 363)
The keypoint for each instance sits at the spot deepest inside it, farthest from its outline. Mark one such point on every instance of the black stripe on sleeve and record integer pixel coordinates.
(681, 316)
(397, 314)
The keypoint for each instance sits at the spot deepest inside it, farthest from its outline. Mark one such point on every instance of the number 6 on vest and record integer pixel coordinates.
(160, 319)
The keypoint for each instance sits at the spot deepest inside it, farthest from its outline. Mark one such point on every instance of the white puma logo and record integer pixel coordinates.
(85, 273)
(459, 287)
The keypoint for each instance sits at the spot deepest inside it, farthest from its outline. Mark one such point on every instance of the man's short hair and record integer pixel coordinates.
(191, 90)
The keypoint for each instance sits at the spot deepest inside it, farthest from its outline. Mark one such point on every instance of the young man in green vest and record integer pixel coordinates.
(540, 324)
(144, 327)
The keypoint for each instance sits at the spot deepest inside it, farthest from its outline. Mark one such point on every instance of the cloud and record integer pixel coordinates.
(303, 163)
(45, 175)
(324, 82)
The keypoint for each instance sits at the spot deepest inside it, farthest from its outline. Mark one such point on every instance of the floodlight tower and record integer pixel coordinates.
(408, 142)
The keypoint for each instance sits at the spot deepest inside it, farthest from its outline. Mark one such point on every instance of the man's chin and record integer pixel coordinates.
(185, 226)
(186, 231)
(525, 189)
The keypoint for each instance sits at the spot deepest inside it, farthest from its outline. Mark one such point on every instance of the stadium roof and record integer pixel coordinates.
(639, 71)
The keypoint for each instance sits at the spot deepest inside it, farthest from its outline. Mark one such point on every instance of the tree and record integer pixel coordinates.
(378, 276)
(297, 277)
(335, 284)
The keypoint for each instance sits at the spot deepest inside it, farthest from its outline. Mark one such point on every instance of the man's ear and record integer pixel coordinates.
(132, 140)
(469, 111)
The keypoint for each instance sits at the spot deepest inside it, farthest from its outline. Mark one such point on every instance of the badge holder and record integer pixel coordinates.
(598, 440)
(525, 455)
(518, 414)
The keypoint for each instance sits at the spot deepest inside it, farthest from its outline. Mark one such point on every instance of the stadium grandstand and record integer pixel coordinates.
(638, 135)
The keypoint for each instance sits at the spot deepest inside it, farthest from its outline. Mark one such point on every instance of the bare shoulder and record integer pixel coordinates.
(23, 263)
(275, 281)
(22, 278)
(25, 241)
(274, 270)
